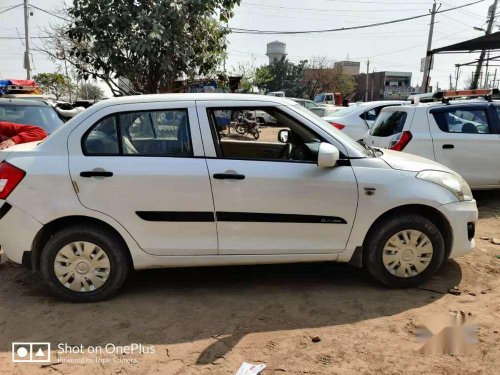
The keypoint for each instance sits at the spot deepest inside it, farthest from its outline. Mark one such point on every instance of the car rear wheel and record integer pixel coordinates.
(84, 264)
(404, 251)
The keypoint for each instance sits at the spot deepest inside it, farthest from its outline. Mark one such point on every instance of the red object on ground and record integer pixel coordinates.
(21, 133)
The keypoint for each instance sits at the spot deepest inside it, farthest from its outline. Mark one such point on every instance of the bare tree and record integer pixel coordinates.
(323, 76)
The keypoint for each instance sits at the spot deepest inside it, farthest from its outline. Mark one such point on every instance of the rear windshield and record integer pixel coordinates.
(43, 116)
(346, 111)
(388, 123)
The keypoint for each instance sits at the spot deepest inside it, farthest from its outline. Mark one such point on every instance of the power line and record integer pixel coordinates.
(275, 32)
(12, 7)
(329, 10)
(50, 13)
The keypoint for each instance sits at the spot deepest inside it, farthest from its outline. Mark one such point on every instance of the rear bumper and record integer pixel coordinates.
(462, 217)
(17, 232)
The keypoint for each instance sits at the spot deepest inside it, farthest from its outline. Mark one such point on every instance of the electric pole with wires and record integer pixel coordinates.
(428, 59)
(27, 42)
(491, 19)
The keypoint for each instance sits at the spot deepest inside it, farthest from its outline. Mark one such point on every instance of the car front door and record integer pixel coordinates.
(466, 139)
(271, 197)
(143, 165)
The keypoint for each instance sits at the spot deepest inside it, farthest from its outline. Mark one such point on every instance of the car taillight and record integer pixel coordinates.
(400, 140)
(337, 125)
(10, 177)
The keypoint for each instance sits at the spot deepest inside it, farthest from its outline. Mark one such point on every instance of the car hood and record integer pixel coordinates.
(412, 163)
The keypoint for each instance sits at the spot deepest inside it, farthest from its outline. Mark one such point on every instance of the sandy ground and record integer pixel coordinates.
(201, 321)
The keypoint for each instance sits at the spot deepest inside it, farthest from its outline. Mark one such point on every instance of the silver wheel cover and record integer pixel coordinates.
(82, 266)
(407, 253)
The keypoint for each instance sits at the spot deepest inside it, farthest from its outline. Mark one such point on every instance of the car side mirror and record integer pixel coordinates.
(328, 155)
(284, 135)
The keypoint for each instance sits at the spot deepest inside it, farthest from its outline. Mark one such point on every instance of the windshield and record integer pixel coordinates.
(319, 98)
(346, 111)
(42, 116)
(329, 128)
(388, 123)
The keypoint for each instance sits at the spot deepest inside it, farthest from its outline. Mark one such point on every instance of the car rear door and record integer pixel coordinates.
(267, 205)
(143, 165)
(466, 139)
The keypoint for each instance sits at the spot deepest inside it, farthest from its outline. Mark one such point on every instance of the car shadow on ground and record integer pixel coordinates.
(488, 203)
(223, 304)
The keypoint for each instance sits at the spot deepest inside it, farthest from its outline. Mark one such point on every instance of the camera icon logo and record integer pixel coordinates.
(31, 352)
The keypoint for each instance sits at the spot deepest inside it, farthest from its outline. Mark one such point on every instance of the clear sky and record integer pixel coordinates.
(397, 47)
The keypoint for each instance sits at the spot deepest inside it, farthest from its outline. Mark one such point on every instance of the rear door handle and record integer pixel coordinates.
(229, 176)
(448, 147)
(96, 174)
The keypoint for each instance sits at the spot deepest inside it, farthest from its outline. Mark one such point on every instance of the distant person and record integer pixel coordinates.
(345, 103)
(13, 134)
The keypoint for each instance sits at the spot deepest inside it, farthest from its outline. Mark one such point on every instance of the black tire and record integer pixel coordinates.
(385, 229)
(110, 243)
(256, 135)
(240, 129)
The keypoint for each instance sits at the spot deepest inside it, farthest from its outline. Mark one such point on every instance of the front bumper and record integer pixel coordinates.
(17, 232)
(462, 217)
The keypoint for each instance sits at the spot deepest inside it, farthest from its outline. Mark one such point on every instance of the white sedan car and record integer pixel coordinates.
(357, 119)
(148, 181)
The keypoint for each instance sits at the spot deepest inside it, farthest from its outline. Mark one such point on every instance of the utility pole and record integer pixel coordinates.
(373, 84)
(451, 84)
(457, 76)
(486, 73)
(427, 68)
(491, 18)
(367, 79)
(27, 53)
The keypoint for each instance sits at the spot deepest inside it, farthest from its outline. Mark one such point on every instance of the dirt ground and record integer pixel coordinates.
(208, 321)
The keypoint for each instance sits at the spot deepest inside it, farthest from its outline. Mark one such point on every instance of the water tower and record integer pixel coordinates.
(276, 51)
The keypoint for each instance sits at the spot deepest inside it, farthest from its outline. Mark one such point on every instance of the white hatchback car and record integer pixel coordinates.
(153, 181)
(356, 120)
(463, 135)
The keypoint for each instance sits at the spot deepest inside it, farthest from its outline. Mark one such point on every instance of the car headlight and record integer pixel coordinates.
(452, 182)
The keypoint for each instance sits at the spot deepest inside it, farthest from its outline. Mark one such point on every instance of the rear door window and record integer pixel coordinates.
(465, 121)
(389, 123)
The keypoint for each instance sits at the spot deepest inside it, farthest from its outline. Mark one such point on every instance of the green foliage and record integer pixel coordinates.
(283, 75)
(152, 43)
(89, 91)
(54, 84)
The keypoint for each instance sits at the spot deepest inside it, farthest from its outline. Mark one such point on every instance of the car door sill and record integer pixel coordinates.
(154, 261)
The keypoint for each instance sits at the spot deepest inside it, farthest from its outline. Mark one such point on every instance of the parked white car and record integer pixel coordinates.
(148, 181)
(463, 135)
(326, 110)
(356, 120)
(306, 103)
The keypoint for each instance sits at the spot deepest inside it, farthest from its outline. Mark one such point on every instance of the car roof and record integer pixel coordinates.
(21, 102)
(193, 97)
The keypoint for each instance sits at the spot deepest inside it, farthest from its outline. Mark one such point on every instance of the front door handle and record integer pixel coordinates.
(229, 176)
(448, 147)
(96, 174)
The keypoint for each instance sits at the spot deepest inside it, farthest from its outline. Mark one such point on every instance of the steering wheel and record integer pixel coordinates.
(286, 152)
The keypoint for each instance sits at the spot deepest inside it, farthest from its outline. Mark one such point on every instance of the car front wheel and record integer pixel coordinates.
(84, 264)
(404, 251)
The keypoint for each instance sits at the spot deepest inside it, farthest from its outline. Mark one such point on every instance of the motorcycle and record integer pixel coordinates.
(246, 126)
